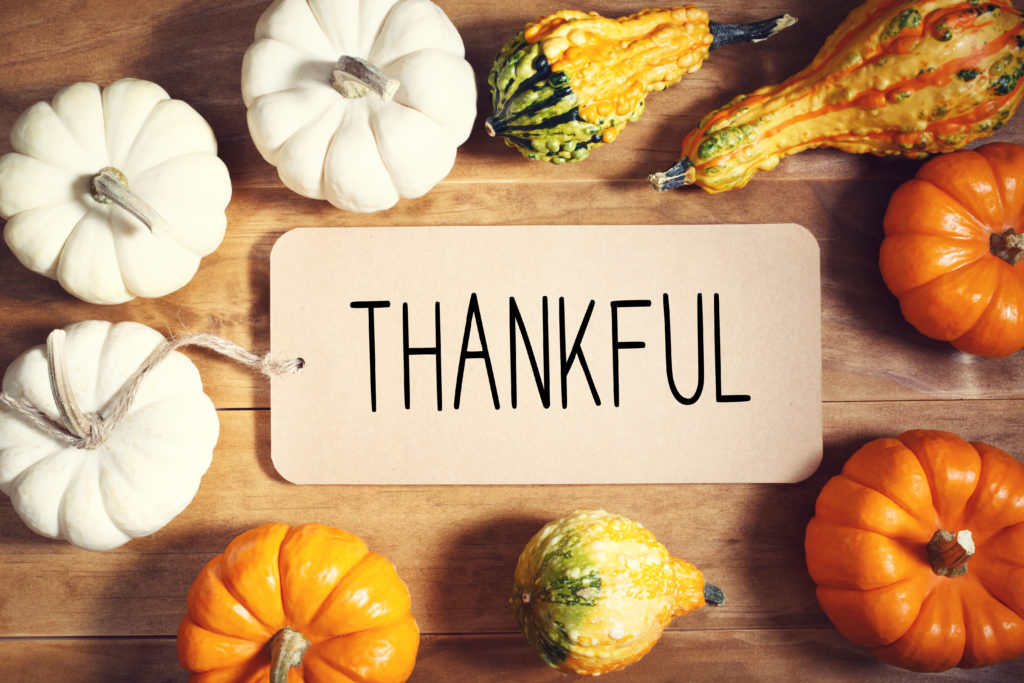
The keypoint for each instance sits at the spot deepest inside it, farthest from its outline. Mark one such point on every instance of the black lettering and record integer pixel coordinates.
(719, 396)
(616, 344)
(686, 401)
(370, 306)
(515, 320)
(576, 353)
(435, 350)
(473, 318)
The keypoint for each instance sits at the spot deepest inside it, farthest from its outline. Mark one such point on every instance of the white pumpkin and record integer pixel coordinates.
(359, 102)
(138, 230)
(146, 471)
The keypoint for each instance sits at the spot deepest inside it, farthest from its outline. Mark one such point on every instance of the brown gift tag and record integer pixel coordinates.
(547, 354)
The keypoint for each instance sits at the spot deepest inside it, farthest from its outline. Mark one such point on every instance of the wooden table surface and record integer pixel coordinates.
(71, 615)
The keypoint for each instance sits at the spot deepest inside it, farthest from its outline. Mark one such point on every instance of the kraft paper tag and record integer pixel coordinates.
(547, 354)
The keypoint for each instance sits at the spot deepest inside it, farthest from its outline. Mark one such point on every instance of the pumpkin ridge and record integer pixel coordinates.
(900, 505)
(323, 29)
(940, 591)
(311, 121)
(1002, 168)
(1004, 281)
(333, 663)
(328, 598)
(94, 105)
(289, 620)
(62, 525)
(114, 347)
(993, 461)
(86, 153)
(958, 270)
(983, 230)
(982, 583)
(342, 125)
(998, 179)
(213, 567)
(332, 596)
(901, 290)
(946, 170)
(968, 600)
(933, 476)
(230, 589)
(131, 151)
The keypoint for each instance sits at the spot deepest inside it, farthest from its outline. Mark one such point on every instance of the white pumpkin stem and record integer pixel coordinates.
(286, 650)
(71, 414)
(111, 186)
(354, 77)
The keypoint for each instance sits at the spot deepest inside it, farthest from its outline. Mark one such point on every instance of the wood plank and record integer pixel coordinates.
(698, 656)
(748, 539)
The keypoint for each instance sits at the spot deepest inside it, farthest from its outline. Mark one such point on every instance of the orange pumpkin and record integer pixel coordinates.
(952, 246)
(304, 603)
(917, 550)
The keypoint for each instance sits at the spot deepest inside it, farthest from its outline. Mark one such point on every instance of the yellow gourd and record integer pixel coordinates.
(593, 592)
(897, 77)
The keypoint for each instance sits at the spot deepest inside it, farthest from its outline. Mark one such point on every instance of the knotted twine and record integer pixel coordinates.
(89, 430)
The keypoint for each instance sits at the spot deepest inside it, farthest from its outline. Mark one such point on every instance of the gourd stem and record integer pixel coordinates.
(76, 422)
(287, 648)
(682, 173)
(949, 552)
(713, 595)
(755, 32)
(1008, 246)
(354, 77)
(111, 186)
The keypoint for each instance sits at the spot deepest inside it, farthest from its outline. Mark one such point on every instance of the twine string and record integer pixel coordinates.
(89, 430)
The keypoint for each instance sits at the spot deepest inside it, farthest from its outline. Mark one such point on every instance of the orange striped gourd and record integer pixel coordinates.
(593, 592)
(572, 80)
(897, 77)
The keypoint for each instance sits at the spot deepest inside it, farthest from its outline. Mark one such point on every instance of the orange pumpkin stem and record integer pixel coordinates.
(1008, 246)
(949, 552)
(286, 650)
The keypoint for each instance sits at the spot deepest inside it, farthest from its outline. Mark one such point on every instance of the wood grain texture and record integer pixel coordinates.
(709, 656)
(69, 615)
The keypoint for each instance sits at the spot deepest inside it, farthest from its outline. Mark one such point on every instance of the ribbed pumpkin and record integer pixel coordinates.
(572, 80)
(304, 603)
(897, 77)
(917, 550)
(593, 592)
(953, 246)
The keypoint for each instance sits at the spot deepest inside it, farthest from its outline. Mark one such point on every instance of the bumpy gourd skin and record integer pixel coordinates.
(572, 80)
(896, 78)
(593, 592)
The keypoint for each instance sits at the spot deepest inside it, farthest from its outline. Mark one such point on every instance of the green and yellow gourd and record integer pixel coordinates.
(897, 77)
(593, 592)
(572, 80)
